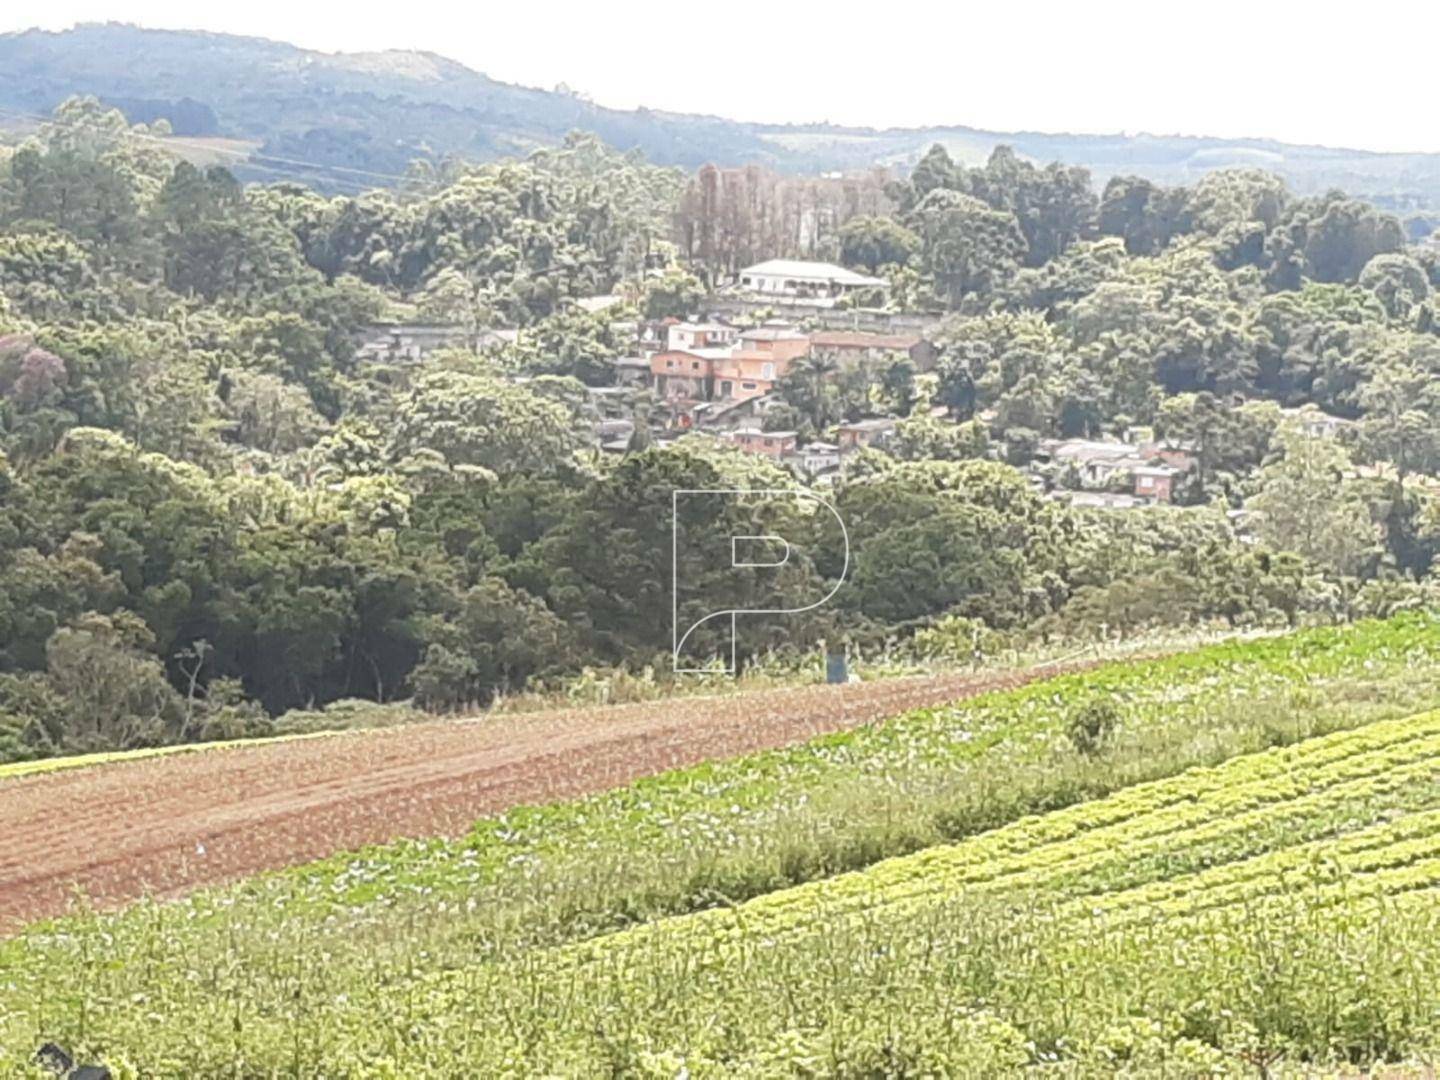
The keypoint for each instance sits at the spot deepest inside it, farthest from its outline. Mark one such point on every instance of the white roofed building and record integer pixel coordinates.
(688, 335)
(804, 280)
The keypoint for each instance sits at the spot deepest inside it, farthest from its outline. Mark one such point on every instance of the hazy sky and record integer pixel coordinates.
(1359, 76)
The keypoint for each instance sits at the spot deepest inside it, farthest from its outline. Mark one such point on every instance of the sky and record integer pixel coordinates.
(1361, 77)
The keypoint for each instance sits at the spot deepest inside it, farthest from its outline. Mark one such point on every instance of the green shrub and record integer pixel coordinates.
(1091, 724)
(348, 714)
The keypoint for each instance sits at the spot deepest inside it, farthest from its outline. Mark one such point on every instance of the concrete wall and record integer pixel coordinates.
(878, 322)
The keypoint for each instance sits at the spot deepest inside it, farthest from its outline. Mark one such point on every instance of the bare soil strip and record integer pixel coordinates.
(166, 825)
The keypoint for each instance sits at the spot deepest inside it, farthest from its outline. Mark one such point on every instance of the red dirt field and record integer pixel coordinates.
(167, 825)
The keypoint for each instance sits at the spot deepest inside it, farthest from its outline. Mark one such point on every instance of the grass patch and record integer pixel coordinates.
(250, 974)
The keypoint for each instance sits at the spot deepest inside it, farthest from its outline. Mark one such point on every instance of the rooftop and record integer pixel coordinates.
(1099, 500)
(810, 271)
(716, 353)
(772, 333)
(593, 304)
(1088, 449)
(1311, 409)
(703, 327)
(755, 432)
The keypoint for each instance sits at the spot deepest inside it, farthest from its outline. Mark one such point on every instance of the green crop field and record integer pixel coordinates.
(1239, 872)
(1283, 903)
(1077, 708)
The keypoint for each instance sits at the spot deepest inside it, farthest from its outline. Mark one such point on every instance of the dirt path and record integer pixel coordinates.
(166, 825)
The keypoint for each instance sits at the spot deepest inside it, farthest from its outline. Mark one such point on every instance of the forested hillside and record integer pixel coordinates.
(331, 119)
(366, 112)
(214, 512)
(496, 586)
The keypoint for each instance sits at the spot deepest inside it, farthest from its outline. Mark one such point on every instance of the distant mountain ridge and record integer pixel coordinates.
(376, 112)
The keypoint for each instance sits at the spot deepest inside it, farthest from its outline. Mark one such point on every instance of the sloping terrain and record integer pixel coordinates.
(1292, 895)
(1365, 802)
(1239, 872)
(375, 112)
(167, 824)
(349, 114)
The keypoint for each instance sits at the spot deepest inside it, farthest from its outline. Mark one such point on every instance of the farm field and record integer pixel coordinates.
(16, 769)
(430, 506)
(217, 813)
(1302, 763)
(1283, 905)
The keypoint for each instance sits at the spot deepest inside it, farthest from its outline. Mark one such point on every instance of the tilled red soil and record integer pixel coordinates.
(166, 825)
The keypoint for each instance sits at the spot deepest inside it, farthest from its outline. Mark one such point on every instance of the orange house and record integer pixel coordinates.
(685, 374)
(744, 375)
(1155, 481)
(783, 343)
(763, 358)
(860, 433)
(773, 444)
(851, 347)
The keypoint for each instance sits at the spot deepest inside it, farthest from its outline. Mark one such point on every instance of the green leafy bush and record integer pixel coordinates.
(1091, 724)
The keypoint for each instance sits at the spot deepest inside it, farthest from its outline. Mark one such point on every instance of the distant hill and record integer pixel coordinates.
(377, 112)
(369, 111)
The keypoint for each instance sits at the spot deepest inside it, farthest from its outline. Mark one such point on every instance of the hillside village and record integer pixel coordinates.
(445, 391)
(718, 374)
(391, 681)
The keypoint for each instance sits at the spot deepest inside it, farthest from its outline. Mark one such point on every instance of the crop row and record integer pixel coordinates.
(1232, 812)
(1391, 856)
(1327, 947)
(426, 936)
(16, 769)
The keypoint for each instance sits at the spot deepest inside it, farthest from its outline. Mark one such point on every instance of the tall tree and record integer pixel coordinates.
(969, 248)
(1306, 503)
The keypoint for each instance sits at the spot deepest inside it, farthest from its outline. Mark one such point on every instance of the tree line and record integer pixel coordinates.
(213, 514)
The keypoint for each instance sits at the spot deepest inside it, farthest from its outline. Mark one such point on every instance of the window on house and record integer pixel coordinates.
(695, 365)
(748, 385)
(767, 371)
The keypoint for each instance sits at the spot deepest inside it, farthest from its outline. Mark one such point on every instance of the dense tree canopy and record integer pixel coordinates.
(212, 510)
